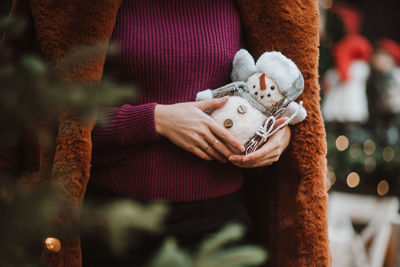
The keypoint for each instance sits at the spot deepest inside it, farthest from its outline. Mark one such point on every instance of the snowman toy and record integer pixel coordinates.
(260, 93)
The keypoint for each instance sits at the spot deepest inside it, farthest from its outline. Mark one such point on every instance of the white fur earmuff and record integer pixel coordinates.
(276, 66)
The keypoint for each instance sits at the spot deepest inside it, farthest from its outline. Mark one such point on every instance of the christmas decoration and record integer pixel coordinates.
(362, 135)
(345, 98)
(52, 244)
(385, 62)
(266, 92)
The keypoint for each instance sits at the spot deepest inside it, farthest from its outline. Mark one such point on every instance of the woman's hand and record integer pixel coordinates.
(186, 125)
(268, 153)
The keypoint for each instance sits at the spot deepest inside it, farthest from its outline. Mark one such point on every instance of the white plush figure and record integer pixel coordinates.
(346, 101)
(261, 93)
(245, 118)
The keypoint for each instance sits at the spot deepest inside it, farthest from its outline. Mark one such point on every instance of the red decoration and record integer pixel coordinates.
(391, 47)
(352, 47)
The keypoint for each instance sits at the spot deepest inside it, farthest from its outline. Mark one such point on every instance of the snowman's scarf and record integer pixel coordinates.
(267, 129)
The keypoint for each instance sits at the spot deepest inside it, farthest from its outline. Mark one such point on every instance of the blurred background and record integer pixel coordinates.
(360, 101)
(359, 76)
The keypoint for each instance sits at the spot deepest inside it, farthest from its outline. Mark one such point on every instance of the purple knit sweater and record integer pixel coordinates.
(171, 50)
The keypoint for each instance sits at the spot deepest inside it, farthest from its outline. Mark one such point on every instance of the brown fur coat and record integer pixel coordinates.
(289, 207)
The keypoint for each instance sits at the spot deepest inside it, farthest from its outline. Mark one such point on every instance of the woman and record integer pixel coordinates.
(162, 146)
(295, 230)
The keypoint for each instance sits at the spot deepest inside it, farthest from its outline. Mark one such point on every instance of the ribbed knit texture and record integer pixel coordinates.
(172, 50)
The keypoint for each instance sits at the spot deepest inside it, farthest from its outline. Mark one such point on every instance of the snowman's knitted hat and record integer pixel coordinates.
(275, 66)
(391, 47)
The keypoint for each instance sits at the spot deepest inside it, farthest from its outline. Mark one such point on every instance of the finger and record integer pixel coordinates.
(225, 136)
(253, 164)
(274, 146)
(257, 155)
(211, 104)
(241, 164)
(201, 154)
(215, 154)
(265, 162)
(236, 158)
(268, 150)
(244, 165)
(259, 161)
(271, 148)
(280, 121)
(208, 148)
(218, 145)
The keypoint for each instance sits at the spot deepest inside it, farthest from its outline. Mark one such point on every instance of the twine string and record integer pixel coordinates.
(267, 129)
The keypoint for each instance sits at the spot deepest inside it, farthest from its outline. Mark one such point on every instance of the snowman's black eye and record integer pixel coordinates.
(254, 86)
(269, 95)
(256, 93)
(262, 97)
(272, 87)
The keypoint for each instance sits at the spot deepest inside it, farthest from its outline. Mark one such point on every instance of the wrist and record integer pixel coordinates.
(159, 118)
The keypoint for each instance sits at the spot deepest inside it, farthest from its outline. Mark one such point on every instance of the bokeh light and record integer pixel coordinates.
(355, 150)
(52, 244)
(369, 164)
(369, 147)
(353, 179)
(342, 143)
(382, 188)
(388, 153)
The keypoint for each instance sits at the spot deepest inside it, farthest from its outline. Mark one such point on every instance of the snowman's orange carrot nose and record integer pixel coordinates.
(263, 84)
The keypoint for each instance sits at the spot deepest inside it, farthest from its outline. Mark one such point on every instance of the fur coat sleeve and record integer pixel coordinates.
(295, 194)
(289, 208)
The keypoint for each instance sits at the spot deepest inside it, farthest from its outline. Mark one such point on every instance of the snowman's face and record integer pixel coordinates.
(264, 90)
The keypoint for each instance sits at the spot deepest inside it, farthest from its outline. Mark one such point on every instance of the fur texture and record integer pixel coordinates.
(244, 125)
(289, 207)
(204, 95)
(291, 109)
(298, 232)
(275, 65)
(243, 66)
